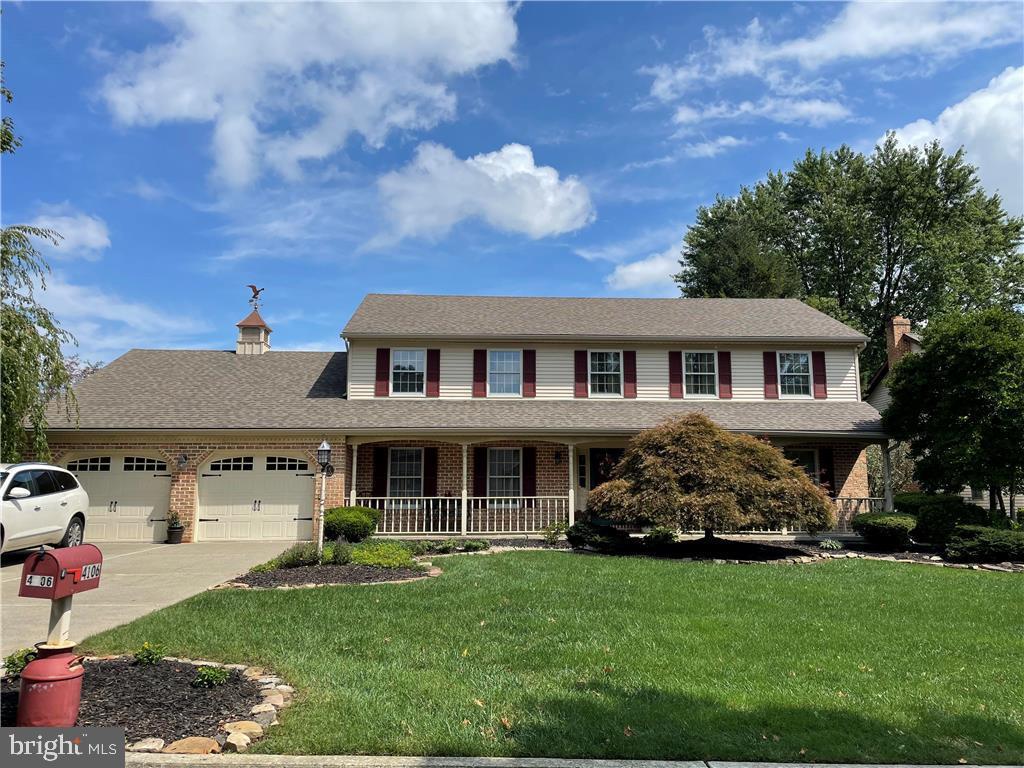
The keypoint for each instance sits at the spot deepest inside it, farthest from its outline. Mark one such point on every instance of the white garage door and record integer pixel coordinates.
(256, 497)
(128, 496)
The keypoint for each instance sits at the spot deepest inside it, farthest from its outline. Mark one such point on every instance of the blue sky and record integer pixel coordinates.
(326, 151)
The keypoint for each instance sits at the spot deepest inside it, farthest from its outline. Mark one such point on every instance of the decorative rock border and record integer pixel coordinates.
(431, 572)
(815, 557)
(237, 735)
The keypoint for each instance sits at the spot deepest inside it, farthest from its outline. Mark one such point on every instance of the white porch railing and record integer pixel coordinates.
(482, 514)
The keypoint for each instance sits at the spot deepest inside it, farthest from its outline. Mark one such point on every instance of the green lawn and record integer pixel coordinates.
(554, 654)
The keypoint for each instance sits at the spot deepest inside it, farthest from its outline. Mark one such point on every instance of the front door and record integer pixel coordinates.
(602, 462)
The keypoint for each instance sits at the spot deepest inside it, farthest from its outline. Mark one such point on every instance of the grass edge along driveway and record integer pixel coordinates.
(563, 655)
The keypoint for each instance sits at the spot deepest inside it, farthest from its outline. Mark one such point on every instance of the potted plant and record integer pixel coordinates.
(175, 529)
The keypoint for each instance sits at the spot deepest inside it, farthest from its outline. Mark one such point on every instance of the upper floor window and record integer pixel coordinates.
(408, 371)
(795, 374)
(701, 376)
(504, 372)
(605, 373)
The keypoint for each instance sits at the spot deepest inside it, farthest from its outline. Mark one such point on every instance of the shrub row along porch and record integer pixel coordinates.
(430, 487)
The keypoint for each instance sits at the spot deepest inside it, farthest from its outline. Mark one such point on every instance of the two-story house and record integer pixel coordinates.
(456, 414)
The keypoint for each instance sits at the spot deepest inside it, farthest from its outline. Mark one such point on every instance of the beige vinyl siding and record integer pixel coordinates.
(555, 368)
(880, 398)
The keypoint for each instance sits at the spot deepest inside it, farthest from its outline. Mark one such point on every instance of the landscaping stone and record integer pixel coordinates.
(269, 680)
(193, 745)
(275, 699)
(250, 728)
(264, 707)
(237, 742)
(285, 689)
(146, 745)
(266, 719)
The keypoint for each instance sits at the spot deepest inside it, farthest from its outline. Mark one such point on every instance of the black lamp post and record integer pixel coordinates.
(323, 455)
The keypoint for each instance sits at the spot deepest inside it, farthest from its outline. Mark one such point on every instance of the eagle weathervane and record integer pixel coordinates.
(255, 298)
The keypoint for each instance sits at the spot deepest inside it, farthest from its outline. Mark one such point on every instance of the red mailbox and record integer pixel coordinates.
(59, 573)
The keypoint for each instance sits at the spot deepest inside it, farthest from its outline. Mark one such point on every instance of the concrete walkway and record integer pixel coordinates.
(136, 579)
(361, 761)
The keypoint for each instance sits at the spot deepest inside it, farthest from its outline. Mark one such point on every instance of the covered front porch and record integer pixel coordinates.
(491, 486)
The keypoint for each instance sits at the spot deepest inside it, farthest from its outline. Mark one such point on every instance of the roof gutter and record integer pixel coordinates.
(606, 337)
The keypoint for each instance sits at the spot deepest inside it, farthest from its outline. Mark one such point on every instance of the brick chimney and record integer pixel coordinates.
(253, 335)
(896, 342)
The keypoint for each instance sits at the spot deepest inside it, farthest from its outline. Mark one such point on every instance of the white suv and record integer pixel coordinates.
(40, 504)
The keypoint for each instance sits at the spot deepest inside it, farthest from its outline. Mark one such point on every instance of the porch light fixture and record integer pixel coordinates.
(559, 458)
(182, 461)
(323, 454)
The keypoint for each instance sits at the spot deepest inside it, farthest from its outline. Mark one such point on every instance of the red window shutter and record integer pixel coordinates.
(529, 471)
(433, 373)
(827, 470)
(725, 375)
(430, 471)
(380, 471)
(580, 379)
(383, 379)
(675, 374)
(771, 376)
(529, 373)
(479, 373)
(629, 373)
(479, 472)
(820, 378)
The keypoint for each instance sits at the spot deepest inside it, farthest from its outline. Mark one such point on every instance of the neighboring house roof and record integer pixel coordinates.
(412, 316)
(186, 390)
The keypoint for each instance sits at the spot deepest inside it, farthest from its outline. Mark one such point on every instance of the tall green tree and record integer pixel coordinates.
(903, 231)
(32, 367)
(960, 403)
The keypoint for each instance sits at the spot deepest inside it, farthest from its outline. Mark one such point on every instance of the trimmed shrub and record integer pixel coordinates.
(885, 531)
(354, 523)
(603, 538)
(341, 553)
(475, 545)
(383, 554)
(982, 544)
(938, 514)
(303, 553)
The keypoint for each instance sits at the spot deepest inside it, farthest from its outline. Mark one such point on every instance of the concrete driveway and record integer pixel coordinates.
(136, 579)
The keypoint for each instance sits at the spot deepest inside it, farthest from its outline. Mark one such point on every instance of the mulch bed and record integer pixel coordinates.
(152, 699)
(327, 574)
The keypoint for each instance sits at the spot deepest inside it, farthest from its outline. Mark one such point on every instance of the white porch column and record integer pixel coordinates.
(571, 452)
(355, 462)
(887, 477)
(465, 490)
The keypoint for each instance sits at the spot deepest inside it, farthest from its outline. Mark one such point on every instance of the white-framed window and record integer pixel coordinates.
(233, 464)
(504, 372)
(605, 373)
(806, 459)
(700, 374)
(794, 374)
(405, 472)
(286, 463)
(143, 464)
(504, 472)
(408, 371)
(91, 464)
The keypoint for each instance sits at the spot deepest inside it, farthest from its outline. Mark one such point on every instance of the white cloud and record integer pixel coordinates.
(624, 249)
(81, 235)
(344, 68)
(505, 188)
(989, 123)
(651, 275)
(777, 109)
(713, 147)
(106, 324)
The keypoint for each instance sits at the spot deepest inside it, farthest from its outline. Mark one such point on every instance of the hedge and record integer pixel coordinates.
(939, 514)
(883, 530)
(603, 538)
(983, 544)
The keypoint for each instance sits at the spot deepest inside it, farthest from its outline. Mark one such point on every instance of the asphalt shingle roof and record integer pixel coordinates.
(412, 316)
(200, 390)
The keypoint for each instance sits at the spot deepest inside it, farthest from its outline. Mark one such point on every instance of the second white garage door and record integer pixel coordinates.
(128, 496)
(254, 496)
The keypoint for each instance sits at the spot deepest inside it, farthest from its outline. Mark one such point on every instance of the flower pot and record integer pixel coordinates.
(174, 534)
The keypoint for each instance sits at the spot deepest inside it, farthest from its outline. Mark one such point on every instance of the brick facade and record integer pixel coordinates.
(199, 449)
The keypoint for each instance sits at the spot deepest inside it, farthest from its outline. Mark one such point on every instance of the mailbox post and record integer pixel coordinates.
(51, 685)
